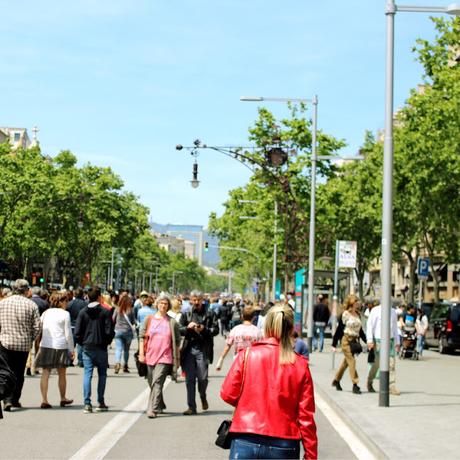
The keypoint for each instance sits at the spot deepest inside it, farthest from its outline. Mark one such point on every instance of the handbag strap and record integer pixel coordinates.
(245, 365)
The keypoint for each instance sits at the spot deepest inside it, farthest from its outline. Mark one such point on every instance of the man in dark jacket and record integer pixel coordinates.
(75, 306)
(94, 331)
(198, 326)
(321, 316)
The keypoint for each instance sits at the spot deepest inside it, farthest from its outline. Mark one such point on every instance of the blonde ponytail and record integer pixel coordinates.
(279, 324)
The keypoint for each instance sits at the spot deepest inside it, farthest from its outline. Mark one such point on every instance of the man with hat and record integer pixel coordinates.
(19, 327)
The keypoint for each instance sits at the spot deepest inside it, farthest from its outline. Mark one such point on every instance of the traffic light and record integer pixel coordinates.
(42, 280)
(206, 246)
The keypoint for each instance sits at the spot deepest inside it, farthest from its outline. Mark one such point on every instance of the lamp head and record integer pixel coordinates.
(179, 147)
(195, 183)
(276, 156)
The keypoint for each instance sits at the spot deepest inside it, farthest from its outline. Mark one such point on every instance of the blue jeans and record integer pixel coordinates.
(100, 360)
(123, 341)
(256, 446)
(420, 344)
(319, 331)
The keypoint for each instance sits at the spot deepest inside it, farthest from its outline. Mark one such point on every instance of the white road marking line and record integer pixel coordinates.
(103, 441)
(355, 444)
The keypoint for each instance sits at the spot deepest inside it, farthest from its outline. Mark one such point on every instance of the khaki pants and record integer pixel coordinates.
(156, 376)
(348, 361)
(375, 366)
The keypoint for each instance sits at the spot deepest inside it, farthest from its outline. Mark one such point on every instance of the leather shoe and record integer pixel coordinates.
(204, 404)
(336, 384)
(66, 402)
(16, 405)
(356, 390)
(189, 412)
(7, 407)
(370, 388)
(45, 406)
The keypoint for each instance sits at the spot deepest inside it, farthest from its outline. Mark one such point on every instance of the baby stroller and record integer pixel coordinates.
(409, 342)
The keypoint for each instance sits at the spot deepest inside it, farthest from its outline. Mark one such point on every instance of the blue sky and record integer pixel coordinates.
(120, 83)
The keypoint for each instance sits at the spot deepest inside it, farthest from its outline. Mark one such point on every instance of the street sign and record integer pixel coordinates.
(347, 254)
(423, 267)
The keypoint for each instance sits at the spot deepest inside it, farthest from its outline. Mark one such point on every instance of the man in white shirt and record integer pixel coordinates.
(373, 334)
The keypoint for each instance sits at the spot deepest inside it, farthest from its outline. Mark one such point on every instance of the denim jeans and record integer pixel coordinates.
(319, 331)
(123, 341)
(255, 446)
(420, 344)
(100, 360)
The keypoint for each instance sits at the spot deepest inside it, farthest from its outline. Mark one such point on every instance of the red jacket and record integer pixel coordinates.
(277, 400)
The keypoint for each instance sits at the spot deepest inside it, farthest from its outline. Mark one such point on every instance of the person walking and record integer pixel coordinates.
(241, 336)
(349, 331)
(123, 318)
(159, 348)
(74, 307)
(421, 326)
(321, 315)
(198, 326)
(373, 332)
(94, 331)
(271, 388)
(56, 347)
(19, 327)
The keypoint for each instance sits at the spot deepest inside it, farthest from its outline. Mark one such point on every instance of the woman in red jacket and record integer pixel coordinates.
(272, 390)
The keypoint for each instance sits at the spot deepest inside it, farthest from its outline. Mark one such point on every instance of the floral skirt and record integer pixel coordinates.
(52, 358)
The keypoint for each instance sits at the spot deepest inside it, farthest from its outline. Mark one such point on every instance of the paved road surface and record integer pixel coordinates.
(125, 431)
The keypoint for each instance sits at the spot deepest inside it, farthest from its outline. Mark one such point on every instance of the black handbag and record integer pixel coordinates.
(355, 347)
(141, 367)
(224, 437)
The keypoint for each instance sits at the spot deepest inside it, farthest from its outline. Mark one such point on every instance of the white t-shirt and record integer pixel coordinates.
(56, 331)
(243, 336)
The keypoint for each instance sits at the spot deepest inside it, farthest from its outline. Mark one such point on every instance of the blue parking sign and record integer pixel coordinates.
(423, 267)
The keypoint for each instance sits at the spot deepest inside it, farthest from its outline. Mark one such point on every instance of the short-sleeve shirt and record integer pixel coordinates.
(159, 347)
(243, 336)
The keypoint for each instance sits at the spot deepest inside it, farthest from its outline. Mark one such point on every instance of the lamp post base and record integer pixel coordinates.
(384, 394)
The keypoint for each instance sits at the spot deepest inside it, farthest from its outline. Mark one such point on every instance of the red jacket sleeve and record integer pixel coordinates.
(307, 424)
(231, 388)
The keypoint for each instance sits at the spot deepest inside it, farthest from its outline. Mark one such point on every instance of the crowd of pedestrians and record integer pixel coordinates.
(174, 337)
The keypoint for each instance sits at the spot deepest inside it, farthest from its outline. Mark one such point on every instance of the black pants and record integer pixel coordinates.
(17, 362)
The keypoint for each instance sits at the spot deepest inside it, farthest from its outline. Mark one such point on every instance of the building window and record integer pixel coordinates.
(17, 137)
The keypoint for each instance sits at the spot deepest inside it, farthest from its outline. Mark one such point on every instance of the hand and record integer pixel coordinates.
(199, 327)
(334, 349)
(72, 356)
(192, 325)
(370, 345)
(219, 364)
(142, 358)
(397, 348)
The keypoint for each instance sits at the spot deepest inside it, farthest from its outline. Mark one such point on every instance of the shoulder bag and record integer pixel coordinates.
(224, 437)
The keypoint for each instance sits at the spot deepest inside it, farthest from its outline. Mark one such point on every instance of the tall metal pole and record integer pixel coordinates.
(156, 280)
(387, 211)
(111, 268)
(200, 248)
(335, 297)
(275, 253)
(311, 247)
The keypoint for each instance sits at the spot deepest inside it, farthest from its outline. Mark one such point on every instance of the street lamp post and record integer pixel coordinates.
(174, 280)
(387, 190)
(311, 247)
